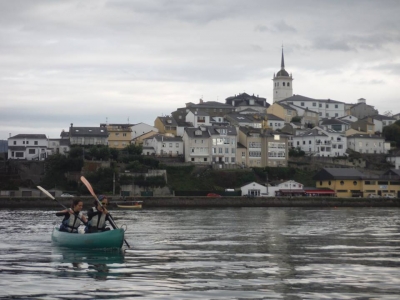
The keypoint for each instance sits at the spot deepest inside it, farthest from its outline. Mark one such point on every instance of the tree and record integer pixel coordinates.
(133, 149)
(296, 119)
(392, 133)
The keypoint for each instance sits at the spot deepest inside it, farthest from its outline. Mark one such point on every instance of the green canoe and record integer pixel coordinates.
(106, 239)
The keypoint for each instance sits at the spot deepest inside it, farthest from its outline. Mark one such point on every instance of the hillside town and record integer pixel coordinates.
(246, 131)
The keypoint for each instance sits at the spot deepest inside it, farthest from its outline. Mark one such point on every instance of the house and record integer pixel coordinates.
(262, 148)
(334, 124)
(326, 108)
(346, 182)
(198, 118)
(283, 111)
(28, 146)
(381, 121)
(308, 117)
(86, 135)
(254, 189)
(197, 145)
(274, 122)
(361, 109)
(165, 125)
(58, 146)
(364, 125)
(138, 140)
(119, 135)
(245, 101)
(163, 145)
(286, 188)
(140, 130)
(321, 142)
(367, 143)
(255, 120)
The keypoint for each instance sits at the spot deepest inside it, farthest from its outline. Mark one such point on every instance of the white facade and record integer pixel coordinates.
(254, 189)
(28, 146)
(367, 143)
(58, 146)
(325, 108)
(141, 128)
(320, 142)
(198, 119)
(161, 145)
(197, 145)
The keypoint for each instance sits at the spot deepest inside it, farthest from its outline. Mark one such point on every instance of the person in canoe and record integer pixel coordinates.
(97, 216)
(73, 217)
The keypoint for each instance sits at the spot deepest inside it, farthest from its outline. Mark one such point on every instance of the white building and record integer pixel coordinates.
(28, 146)
(58, 146)
(321, 142)
(381, 121)
(367, 143)
(140, 129)
(254, 189)
(326, 108)
(162, 145)
(198, 118)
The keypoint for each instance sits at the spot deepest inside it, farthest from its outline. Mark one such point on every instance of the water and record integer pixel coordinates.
(221, 253)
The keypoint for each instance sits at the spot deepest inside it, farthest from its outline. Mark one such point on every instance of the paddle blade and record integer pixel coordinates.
(45, 192)
(89, 186)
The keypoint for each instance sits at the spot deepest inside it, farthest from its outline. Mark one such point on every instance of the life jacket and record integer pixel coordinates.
(73, 222)
(100, 223)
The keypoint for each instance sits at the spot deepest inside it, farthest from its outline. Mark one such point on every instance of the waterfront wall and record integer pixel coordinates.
(153, 202)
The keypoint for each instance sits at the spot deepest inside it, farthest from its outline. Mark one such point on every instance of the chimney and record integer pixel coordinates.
(72, 125)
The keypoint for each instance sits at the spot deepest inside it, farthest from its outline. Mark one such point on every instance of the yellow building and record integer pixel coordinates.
(348, 182)
(282, 111)
(166, 125)
(119, 135)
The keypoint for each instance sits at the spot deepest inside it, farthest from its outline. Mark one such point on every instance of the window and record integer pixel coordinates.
(336, 115)
(341, 182)
(227, 150)
(302, 104)
(288, 84)
(309, 142)
(170, 145)
(176, 145)
(35, 143)
(15, 142)
(355, 182)
(320, 105)
(232, 159)
(314, 104)
(31, 151)
(283, 84)
(327, 115)
(336, 106)
(326, 105)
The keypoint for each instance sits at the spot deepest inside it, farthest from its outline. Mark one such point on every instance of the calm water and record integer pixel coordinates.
(238, 253)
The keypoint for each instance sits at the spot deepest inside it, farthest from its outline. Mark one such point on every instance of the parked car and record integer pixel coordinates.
(66, 195)
(373, 196)
(389, 195)
(213, 195)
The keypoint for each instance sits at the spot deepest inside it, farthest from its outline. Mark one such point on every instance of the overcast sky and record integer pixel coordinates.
(87, 62)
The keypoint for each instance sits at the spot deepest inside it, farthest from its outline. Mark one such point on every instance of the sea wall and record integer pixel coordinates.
(153, 202)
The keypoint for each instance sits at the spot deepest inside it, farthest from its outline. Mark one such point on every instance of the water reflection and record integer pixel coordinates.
(96, 263)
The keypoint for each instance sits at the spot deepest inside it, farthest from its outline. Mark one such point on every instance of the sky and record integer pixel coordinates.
(118, 61)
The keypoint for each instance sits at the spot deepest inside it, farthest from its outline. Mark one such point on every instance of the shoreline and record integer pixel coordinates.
(185, 202)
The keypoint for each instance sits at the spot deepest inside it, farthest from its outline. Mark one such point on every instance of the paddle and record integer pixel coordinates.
(51, 197)
(89, 187)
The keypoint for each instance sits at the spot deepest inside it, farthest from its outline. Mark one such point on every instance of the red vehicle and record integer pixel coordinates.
(213, 195)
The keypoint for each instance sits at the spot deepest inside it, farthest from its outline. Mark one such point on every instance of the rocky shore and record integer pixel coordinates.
(184, 202)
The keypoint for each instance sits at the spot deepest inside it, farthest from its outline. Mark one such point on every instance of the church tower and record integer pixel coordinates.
(283, 83)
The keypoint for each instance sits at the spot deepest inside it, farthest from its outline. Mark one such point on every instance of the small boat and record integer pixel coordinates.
(99, 240)
(132, 205)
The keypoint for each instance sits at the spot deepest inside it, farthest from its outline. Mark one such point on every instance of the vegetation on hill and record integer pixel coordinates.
(392, 133)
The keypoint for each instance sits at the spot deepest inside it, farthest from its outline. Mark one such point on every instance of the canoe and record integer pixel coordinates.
(99, 240)
(134, 205)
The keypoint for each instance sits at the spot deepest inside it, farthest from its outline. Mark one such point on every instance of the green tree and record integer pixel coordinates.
(133, 149)
(392, 133)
